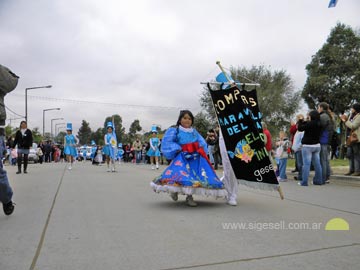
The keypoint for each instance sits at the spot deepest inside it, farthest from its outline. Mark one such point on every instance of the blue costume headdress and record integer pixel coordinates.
(69, 126)
(110, 124)
(153, 129)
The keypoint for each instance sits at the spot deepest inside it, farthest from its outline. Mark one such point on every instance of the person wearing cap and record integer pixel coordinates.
(154, 152)
(69, 146)
(110, 147)
(353, 152)
(23, 140)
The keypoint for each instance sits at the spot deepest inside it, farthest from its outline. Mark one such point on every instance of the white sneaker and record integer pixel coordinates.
(152, 167)
(70, 168)
(232, 202)
(108, 169)
(113, 169)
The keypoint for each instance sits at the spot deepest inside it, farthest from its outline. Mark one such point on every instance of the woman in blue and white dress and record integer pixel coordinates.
(70, 145)
(154, 152)
(190, 171)
(110, 148)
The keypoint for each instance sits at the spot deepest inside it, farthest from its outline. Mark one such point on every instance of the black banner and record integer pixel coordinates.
(239, 118)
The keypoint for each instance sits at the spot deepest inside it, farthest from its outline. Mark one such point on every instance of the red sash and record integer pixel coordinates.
(194, 147)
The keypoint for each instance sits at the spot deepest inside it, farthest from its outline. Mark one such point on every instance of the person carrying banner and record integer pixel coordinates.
(190, 171)
(228, 178)
(69, 146)
(245, 158)
(110, 147)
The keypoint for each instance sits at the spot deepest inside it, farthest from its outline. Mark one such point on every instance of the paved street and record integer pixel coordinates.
(90, 219)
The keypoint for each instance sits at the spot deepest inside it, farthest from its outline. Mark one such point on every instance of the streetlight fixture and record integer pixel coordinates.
(52, 109)
(57, 130)
(60, 125)
(30, 88)
(52, 135)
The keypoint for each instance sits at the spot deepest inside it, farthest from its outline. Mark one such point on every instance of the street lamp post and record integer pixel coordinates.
(52, 135)
(61, 125)
(52, 109)
(30, 88)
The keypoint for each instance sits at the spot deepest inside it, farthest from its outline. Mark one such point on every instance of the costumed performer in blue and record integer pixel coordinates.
(154, 152)
(120, 154)
(93, 150)
(190, 172)
(69, 146)
(110, 147)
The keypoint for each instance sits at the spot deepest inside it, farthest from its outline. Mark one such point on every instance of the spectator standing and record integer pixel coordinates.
(282, 155)
(47, 151)
(211, 140)
(137, 145)
(297, 147)
(327, 130)
(23, 140)
(268, 143)
(292, 131)
(311, 147)
(353, 153)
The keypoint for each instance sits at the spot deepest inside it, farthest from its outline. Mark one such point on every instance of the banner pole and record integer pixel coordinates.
(281, 193)
(223, 71)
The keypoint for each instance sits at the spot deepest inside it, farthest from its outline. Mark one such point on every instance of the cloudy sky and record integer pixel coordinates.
(145, 59)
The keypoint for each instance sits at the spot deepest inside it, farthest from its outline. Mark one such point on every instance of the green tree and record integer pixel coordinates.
(84, 133)
(119, 129)
(277, 99)
(9, 131)
(60, 137)
(201, 123)
(134, 128)
(98, 136)
(334, 71)
(37, 137)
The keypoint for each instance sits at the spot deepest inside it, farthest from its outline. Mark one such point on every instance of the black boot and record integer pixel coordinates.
(19, 161)
(25, 163)
(8, 208)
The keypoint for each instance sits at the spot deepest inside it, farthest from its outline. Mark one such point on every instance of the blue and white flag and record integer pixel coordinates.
(332, 3)
(225, 78)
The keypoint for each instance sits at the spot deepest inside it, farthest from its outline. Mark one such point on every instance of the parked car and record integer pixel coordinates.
(88, 152)
(33, 156)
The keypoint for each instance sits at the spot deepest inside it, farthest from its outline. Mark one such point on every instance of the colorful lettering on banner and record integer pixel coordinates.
(240, 122)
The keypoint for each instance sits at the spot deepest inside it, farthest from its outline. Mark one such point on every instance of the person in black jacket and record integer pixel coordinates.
(23, 140)
(311, 148)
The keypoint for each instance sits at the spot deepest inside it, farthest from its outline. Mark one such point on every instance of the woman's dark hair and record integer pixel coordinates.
(23, 122)
(181, 115)
(356, 107)
(315, 115)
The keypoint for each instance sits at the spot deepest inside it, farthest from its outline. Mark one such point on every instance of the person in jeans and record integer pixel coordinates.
(327, 130)
(296, 147)
(137, 145)
(23, 140)
(353, 123)
(311, 147)
(6, 192)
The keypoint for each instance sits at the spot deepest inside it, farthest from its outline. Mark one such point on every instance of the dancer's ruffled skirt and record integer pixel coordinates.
(189, 174)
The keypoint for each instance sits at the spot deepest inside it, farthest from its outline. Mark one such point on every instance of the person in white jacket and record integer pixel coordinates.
(296, 147)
